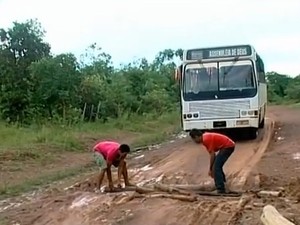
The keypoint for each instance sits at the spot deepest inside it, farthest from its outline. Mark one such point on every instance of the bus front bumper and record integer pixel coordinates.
(220, 124)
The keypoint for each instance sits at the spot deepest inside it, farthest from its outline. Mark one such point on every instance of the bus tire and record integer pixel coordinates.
(262, 123)
(253, 133)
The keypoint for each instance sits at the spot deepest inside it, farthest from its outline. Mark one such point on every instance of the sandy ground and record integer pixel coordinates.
(178, 162)
(280, 167)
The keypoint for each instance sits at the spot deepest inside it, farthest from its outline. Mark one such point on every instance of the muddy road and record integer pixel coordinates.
(177, 162)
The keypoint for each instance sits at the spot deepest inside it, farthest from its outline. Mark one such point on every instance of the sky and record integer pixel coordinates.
(132, 29)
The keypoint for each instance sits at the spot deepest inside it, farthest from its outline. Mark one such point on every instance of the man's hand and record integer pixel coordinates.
(119, 185)
(211, 164)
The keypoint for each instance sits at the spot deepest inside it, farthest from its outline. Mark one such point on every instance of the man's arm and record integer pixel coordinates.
(120, 170)
(212, 160)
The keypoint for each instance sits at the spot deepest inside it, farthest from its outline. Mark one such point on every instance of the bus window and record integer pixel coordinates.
(201, 80)
(236, 77)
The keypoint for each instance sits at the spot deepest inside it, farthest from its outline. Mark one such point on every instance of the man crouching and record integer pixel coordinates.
(108, 153)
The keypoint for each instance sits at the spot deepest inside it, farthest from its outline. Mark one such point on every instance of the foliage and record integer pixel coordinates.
(20, 46)
(37, 86)
(282, 88)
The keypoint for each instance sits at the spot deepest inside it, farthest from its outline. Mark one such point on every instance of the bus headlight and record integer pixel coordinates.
(243, 113)
(191, 116)
(251, 113)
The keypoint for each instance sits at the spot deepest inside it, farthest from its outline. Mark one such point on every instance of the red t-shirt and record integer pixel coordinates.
(109, 150)
(214, 141)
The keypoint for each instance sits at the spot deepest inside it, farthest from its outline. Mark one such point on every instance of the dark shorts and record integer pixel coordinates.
(101, 161)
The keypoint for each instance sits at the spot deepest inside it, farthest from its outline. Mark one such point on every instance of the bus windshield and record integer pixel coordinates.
(219, 80)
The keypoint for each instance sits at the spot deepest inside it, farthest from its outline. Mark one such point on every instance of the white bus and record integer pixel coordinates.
(221, 88)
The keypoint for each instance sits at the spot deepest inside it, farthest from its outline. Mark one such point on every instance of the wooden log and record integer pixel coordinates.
(204, 186)
(171, 196)
(270, 193)
(126, 199)
(117, 189)
(209, 193)
(144, 190)
(244, 200)
(271, 216)
(169, 189)
(141, 190)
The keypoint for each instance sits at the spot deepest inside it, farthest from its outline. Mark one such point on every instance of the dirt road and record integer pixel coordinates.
(178, 162)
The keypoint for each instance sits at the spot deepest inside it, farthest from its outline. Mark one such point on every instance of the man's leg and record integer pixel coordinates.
(100, 178)
(224, 177)
(101, 162)
(219, 175)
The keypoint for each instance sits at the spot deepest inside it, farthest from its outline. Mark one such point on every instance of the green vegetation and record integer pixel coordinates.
(51, 105)
(74, 138)
(38, 87)
(45, 145)
(49, 99)
(283, 89)
(54, 106)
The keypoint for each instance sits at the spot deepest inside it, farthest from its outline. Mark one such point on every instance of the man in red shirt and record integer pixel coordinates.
(108, 153)
(215, 143)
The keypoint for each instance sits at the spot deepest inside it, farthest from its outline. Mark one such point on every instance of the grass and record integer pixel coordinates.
(3, 221)
(296, 105)
(288, 103)
(38, 144)
(34, 184)
(27, 142)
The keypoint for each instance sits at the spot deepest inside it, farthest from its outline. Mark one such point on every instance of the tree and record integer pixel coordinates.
(19, 47)
(293, 89)
(56, 85)
(37, 86)
(278, 83)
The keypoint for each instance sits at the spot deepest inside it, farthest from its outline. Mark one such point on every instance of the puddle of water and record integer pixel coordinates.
(139, 157)
(296, 156)
(146, 168)
(152, 180)
(152, 147)
(9, 206)
(180, 136)
(82, 201)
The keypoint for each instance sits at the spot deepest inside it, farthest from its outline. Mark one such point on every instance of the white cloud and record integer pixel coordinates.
(289, 44)
(142, 27)
(289, 68)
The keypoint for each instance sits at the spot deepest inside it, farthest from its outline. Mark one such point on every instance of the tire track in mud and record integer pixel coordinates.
(218, 211)
(181, 162)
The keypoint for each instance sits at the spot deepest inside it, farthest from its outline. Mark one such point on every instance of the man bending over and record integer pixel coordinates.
(108, 153)
(215, 143)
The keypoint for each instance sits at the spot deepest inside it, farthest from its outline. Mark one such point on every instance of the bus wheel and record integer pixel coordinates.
(262, 123)
(253, 132)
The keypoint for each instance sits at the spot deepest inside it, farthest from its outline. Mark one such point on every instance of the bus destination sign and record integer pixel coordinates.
(222, 52)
